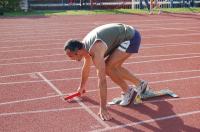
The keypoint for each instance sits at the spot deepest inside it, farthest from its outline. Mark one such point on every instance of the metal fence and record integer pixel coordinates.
(107, 4)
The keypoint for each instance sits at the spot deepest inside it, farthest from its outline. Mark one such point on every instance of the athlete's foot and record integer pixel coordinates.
(142, 87)
(128, 96)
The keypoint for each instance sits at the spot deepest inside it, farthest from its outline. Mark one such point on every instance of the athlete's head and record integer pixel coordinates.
(73, 49)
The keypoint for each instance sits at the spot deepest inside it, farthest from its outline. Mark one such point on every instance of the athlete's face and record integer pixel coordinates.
(74, 55)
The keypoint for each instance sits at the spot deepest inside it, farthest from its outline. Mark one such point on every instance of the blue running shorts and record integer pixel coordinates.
(131, 46)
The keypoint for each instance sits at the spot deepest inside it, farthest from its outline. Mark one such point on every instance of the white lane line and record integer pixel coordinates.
(43, 111)
(29, 46)
(62, 34)
(47, 24)
(144, 44)
(55, 27)
(149, 46)
(171, 80)
(170, 45)
(137, 62)
(56, 70)
(66, 60)
(95, 90)
(143, 47)
(82, 104)
(181, 29)
(78, 68)
(22, 50)
(50, 84)
(94, 77)
(103, 123)
(64, 39)
(36, 62)
(149, 61)
(149, 121)
(94, 106)
(172, 35)
(27, 100)
(42, 56)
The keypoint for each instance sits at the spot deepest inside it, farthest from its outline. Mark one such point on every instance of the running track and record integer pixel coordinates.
(34, 73)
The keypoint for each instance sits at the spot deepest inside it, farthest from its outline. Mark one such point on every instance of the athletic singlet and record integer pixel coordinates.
(112, 35)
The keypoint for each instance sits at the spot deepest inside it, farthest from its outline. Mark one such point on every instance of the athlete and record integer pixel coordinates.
(108, 46)
(153, 4)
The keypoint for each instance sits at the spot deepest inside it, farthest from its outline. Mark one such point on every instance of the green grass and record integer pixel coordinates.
(95, 12)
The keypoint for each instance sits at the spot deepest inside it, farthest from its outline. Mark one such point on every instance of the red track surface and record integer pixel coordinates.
(34, 71)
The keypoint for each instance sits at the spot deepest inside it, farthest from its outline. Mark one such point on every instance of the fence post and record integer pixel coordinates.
(91, 4)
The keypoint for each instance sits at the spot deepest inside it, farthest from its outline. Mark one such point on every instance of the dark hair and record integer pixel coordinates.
(73, 45)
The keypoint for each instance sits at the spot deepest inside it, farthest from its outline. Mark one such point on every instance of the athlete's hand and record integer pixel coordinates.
(104, 115)
(81, 89)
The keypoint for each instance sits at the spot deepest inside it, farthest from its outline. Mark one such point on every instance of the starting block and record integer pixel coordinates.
(148, 94)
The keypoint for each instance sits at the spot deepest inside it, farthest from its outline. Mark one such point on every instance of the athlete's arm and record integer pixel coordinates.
(98, 51)
(85, 73)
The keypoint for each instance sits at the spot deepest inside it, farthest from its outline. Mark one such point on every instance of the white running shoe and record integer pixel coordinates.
(140, 90)
(142, 87)
(128, 96)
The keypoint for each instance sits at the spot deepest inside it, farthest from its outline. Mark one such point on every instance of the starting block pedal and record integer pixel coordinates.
(151, 94)
(148, 94)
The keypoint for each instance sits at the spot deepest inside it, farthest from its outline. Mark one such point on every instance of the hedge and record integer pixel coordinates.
(9, 5)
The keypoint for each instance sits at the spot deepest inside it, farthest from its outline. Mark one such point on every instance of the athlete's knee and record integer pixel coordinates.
(110, 69)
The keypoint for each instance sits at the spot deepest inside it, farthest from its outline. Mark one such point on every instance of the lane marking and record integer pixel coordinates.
(103, 123)
(60, 61)
(55, 27)
(50, 84)
(149, 46)
(42, 56)
(92, 106)
(144, 44)
(154, 60)
(63, 39)
(80, 103)
(95, 90)
(43, 111)
(149, 121)
(18, 36)
(94, 77)
(67, 60)
(145, 47)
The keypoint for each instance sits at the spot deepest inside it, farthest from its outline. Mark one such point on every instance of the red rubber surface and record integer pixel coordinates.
(33, 46)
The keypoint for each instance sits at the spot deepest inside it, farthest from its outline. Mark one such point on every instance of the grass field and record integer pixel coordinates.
(95, 12)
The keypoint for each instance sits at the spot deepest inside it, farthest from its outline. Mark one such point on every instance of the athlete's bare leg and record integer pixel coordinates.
(117, 73)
